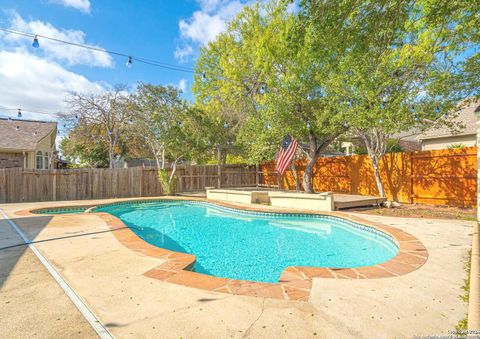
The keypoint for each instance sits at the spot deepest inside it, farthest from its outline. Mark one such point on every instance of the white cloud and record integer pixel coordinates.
(33, 83)
(182, 85)
(205, 24)
(81, 5)
(182, 53)
(72, 55)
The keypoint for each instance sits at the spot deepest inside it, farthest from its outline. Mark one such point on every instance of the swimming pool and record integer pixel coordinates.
(254, 246)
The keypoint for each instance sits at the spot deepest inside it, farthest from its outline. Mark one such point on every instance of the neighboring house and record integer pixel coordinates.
(444, 137)
(27, 143)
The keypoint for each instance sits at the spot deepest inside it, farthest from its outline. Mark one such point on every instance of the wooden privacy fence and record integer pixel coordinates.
(441, 177)
(24, 185)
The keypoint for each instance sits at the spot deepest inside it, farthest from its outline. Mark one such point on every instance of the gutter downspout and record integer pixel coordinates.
(474, 295)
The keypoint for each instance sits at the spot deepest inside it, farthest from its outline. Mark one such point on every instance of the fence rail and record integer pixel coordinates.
(28, 185)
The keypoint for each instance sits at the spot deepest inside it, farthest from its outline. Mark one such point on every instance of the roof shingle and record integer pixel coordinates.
(465, 118)
(23, 135)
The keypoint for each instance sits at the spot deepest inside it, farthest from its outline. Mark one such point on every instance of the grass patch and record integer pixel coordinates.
(462, 324)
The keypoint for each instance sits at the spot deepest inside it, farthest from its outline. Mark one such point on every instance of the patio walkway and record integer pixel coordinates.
(109, 277)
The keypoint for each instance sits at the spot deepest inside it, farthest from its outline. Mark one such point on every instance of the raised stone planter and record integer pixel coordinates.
(246, 197)
(304, 201)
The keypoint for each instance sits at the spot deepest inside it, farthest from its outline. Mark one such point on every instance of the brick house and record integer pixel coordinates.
(27, 143)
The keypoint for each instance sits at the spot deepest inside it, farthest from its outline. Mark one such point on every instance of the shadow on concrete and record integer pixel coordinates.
(12, 246)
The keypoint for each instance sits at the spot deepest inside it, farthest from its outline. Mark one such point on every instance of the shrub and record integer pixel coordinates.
(168, 184)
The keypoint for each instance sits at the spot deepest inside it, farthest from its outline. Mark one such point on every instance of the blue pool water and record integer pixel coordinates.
(242, 245)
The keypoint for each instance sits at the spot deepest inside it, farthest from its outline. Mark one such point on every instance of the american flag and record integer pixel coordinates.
(287, 151)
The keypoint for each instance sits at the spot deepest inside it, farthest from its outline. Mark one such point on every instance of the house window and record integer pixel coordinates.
(39, 160)
(46, 162)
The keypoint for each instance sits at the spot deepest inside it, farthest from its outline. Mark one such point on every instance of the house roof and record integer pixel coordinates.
(465, 118)
(23, 135)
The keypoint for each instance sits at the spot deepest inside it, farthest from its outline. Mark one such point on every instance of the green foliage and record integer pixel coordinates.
(84, 152)
(463, 324)
(269, 74)
(168, 182)
(169, 126)
(393, 146)
(456, 146)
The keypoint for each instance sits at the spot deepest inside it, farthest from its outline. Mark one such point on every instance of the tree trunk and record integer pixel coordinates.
(110, 155)
(312, 156)
(376, 172)
(163, 158)
(222, 156)
(295, 175)
(308, 175)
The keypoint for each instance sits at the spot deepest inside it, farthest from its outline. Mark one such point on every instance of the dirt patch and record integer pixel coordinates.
(422, 211)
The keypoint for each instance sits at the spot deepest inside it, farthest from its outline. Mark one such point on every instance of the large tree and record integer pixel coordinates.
(396, 76)
(170, 127)
(102, 118)
(271, 73)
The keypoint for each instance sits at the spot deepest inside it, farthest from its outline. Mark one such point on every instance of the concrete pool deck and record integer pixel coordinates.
(109, 278)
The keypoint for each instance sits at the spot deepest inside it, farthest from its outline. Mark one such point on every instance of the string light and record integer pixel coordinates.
(17, 128)
(151, 62)
(35, 42)
(262, 89)
(225, 125)
(345, 125)
(309, 97)
(129, 62)
(19, 114)
(26, 110)
(308, 125)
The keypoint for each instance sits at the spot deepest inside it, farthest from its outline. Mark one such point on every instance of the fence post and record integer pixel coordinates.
(54, 185)
(219, 174)
(3, 186)
(411, 177)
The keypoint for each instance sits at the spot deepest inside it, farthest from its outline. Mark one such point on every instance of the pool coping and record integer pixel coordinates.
(295, 282)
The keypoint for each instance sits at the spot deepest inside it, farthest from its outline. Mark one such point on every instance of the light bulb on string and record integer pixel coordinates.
(412, 108)
(35, 43)
(17, 128)
(308, 125)
(9, 119)
(129, 62)
(345, 125)
(204, 77)
(19, 114)
(262, 90)
(225, 125)
(309, 97)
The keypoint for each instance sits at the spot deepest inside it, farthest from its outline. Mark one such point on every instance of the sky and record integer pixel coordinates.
(39, 79)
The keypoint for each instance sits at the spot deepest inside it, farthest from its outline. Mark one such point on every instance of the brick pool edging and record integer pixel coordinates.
(295, 282)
